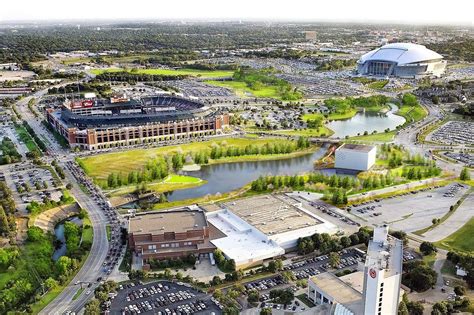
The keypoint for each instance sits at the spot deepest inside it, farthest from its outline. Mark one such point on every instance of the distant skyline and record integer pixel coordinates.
(455, 12)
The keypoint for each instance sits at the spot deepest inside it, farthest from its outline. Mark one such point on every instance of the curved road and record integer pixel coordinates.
(92, 267)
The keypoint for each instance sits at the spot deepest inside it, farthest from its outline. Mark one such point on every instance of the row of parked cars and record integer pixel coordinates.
(149, 306)
(146, 292)
(265, 284)
(325, 209)
(115, 245)
(453, 190)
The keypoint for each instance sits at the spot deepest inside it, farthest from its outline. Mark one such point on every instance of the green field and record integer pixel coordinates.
(378, 85)
(191, 72)
(412, 113)
(461, 240)
(378, 137)
(333, 116)
(309, 132)
(100, 166)
(170, 183)
(242, 90)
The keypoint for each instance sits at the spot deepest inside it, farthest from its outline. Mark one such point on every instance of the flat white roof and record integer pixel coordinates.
(243, 243)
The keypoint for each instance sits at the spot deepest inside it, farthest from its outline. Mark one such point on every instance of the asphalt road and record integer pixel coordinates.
(92, 267)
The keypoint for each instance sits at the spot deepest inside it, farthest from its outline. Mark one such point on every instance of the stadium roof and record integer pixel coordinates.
(401, 53)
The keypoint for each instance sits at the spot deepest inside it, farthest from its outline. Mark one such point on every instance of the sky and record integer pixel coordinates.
(398, 11)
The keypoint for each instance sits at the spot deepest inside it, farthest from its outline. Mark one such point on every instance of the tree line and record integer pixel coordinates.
(160, 167)
(325, 243)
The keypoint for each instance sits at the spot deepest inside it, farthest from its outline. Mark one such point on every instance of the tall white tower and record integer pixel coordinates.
(382, 273)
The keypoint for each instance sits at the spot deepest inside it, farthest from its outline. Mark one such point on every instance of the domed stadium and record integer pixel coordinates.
(403, 60)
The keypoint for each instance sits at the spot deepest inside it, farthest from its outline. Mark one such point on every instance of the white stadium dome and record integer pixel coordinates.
(403, 60)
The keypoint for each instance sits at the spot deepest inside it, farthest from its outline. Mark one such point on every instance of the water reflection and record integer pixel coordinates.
(366, 122)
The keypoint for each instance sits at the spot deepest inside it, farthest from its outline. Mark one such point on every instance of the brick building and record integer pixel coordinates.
(169, 234)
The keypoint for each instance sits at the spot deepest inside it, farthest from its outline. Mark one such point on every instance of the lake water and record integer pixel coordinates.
(225, 177)
(59, 232)
(366, 122)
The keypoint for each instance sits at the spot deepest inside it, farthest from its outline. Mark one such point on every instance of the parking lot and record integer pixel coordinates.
(315, 265)
(410, 211)
(454, 132)
(163, 297)
(31, 183)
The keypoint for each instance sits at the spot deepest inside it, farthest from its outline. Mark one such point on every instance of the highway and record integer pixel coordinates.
(92, 267)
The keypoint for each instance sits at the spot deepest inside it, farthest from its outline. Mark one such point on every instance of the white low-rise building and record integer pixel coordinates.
(263, 227)
(355, 156)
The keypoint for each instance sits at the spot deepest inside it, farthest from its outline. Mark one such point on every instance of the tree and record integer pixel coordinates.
(465, 175)
(92, 307)
(428, 248)
(439, 308)
(354, 239)
(50, 283)
(334, 259)
(266, 311)
(253, 296)
(460, 290)
(419, 276)
(415, 308)
(402, 236)
(275, 265)
(345, 241)
(402, 309)
(34, 234)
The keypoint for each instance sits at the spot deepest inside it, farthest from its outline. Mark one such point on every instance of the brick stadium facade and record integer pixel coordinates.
(84, 128)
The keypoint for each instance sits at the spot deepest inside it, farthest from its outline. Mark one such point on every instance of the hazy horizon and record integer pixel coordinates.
(407, 12)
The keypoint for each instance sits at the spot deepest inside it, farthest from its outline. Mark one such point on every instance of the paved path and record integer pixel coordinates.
(462, 214)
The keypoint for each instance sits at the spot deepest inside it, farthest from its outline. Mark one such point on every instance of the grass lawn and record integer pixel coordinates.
(242, 90)
(461, 240)
(191, 72)
(378, 137)
(99, 166)
(46, 299)
(78, 293)
(412, 113)
(303, 298)
(378, 85)
(87, 233)
(170, 183)
(448, 268)
(322, 132)
(339, 116)
(430, 259)
(26, 138)
(108, 231)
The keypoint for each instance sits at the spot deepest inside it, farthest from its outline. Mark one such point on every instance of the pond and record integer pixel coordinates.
(366, 122)
(59, 233)
(226, 177)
